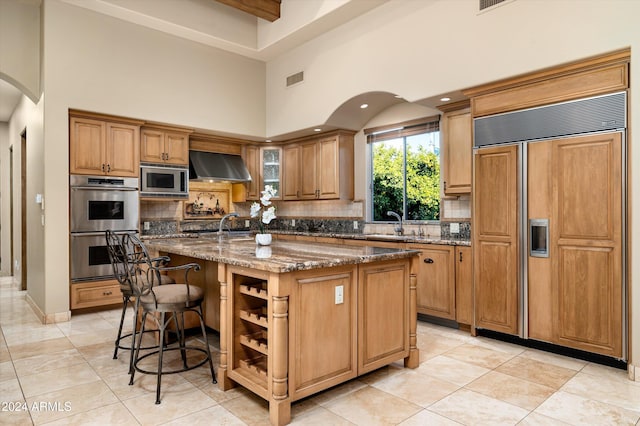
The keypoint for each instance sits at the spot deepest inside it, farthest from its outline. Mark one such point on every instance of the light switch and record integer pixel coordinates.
(247, 223)
(339, 294)
(355, 224)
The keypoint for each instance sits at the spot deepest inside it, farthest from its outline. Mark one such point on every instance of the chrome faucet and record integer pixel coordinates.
(398, 228)
(225, 217)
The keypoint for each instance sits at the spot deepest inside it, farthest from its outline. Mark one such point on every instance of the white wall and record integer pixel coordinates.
(20, 45)
(418, 49)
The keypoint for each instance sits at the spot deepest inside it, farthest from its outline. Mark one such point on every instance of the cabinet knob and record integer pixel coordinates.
(108, 168)
(428, 260)
(103, 167)
(106, 293)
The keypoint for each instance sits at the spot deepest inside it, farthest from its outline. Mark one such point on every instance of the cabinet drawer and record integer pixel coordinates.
(87, 295)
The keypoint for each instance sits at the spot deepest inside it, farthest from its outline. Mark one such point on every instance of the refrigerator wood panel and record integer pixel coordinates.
(495, 239)
(587, 281)
(539, 206)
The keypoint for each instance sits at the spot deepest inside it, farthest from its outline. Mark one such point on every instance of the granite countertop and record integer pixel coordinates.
(382, 237)
(365, 237)
(280, 256)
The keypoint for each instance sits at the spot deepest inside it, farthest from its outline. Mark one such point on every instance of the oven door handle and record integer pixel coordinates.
(99, 233)
(76, 188)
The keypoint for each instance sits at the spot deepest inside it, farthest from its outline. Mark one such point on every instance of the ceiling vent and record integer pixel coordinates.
(295, 78)
(485, 4)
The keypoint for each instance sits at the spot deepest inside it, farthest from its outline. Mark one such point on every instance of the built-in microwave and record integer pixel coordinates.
(164, 182)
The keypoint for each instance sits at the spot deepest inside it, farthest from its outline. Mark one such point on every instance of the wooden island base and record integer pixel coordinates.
(286, 336)
(298, 318)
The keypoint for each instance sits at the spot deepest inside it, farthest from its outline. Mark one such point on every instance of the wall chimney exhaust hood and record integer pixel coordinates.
(210, 166)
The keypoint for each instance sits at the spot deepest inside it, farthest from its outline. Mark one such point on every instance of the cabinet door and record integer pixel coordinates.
(464, 285)
(176, 148)
(87, 139)
(383, 314)
(252, 161)
(309, 172)
(328, 168)
(436, 293)
(457, 149)
(587, 241)
(123, 150)
(291, 172)
(152, 146)
(271, 169)
(495, 239)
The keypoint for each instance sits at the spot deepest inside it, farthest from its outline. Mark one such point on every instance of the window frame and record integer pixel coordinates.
(396, 131)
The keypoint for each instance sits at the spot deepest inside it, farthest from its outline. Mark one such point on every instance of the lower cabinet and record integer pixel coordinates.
(436, 291)
(95, 293)
(464, 285)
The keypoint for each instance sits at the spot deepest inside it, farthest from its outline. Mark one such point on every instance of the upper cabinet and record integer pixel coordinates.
(457, 147)
(319, 168)
(164, 145)
(98, 146)
(264, 165)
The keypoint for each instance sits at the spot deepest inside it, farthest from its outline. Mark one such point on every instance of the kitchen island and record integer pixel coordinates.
(297, 318)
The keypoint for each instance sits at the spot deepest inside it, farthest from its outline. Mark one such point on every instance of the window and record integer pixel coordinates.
(405, 170)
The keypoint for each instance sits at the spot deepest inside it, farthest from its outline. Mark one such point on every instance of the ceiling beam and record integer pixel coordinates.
(265, 9)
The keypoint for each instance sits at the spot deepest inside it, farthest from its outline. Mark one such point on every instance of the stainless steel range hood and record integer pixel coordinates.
(210, 166)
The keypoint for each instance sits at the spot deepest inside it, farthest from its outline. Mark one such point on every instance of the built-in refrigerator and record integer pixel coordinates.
(549, 224)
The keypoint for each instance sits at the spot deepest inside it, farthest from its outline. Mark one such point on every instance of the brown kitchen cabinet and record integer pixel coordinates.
(164, 146)
(436, 292)
(102, 147)
(464, 285)
(457, 144)
(265, 167)
(95, 293)
(319, 168)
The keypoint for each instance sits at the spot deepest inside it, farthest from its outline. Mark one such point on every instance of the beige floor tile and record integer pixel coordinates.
(451, 370)
(472, 408)
(213, 391)
(28, 350)
(81, 324)
(69, 401)
(426, 417)
(432, 345)
(536, 371)
(555, 359)
(613, 388)
(576, 410)
(176, 402)
(479, 355)
(21, 335)
(113, 414)
(61, 378)
(319, 416)
(338, 392)
(7, 372)
(537, 419)
(85, 339)
(519, 392)
(249, 408)
(417, 388)
(370, 406)
(10, 391)
(15, 416)
(604, 371)
(382, 373)
(215, 415)
(45, 362)
(4, 354)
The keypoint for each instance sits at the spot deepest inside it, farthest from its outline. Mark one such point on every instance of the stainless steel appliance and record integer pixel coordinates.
(98, 203)
(164, 182)
(549, 224)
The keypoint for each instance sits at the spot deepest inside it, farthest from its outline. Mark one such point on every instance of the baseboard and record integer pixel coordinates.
(634, 372)
(47, 318)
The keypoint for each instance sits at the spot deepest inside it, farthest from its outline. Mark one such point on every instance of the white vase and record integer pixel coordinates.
(263, 252)
(263, 239)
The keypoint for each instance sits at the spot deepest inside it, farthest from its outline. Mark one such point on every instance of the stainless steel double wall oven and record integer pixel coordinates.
(98, 203)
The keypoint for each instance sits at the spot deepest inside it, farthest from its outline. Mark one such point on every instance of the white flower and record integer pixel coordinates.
(255, 209)
(268, 215)
(265, 200)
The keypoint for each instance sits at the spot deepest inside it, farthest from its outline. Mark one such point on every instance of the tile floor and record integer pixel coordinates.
(66, 375)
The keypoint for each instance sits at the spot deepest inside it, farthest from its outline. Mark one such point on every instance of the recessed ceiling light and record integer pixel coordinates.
(363, 106)
(398, 96)
(445, 99)
(268, 140)
(317, 129)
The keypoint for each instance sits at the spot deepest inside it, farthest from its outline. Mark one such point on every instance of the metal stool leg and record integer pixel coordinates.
(125, 302)
(161, 349)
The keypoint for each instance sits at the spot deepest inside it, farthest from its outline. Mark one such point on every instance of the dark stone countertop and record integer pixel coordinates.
(279, 257)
